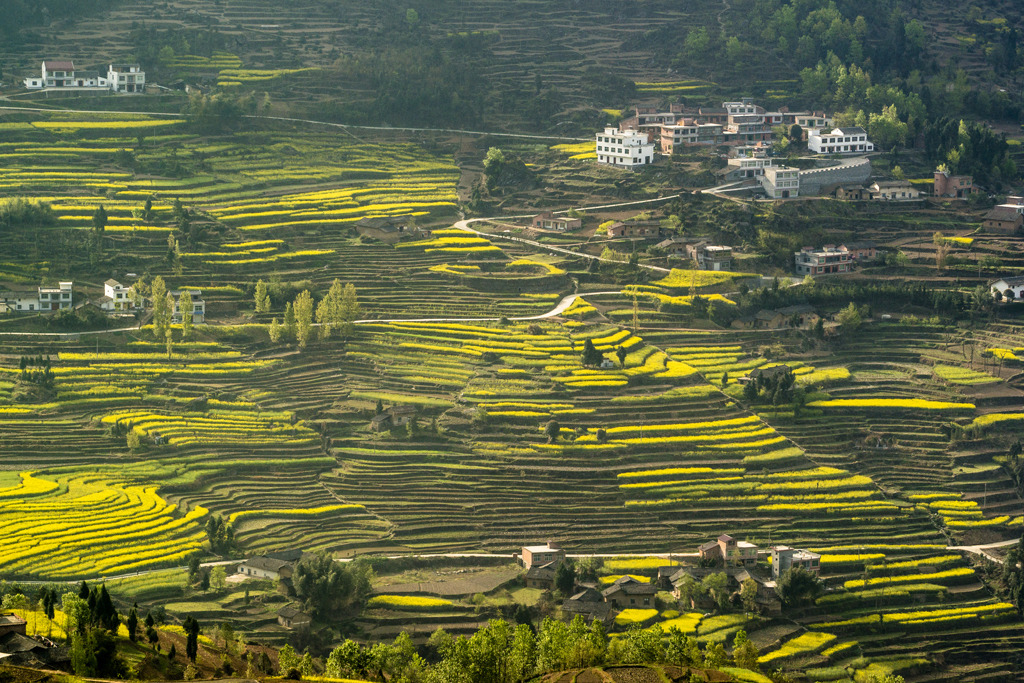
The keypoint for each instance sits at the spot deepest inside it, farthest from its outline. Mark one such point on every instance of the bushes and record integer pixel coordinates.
(22, 212)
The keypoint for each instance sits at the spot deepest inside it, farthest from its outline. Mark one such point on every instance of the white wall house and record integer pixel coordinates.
(1012, 288)
(781, 182)
(44, 298)
(198, 306)
(625, 149)
(126, 78)
(749, 167)
(840, 141)
(63, 75)
(116, 297)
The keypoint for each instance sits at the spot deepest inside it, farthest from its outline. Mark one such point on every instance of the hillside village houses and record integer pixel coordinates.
(952, 186)
(1007, 218)
(64, 75)
(44, 298)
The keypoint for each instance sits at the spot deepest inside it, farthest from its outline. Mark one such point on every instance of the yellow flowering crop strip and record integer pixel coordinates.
(628, 564)
(523, 263)
(113, 125)
(635, 616)
(89, 525)
(956, 573)
(1002, 419)
(905, 403)
(802, 644)
(408, 602)
(958, 375)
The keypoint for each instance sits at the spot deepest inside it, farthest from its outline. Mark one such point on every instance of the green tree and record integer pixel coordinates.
(552, 430)
(99, 220)
(350, 310)
(218, 578)
(274, 330)
(132, 623)
(748, 595)
(591, 356)
(289, 321)
(326, 587)
(262, 297)
(797, 586)
(185, 307)
(717, 586)
(191, 627)
(288, 661)
(886, 129)
(621, 354)
(849, 319)
(565, 577)
(744, 652)
(161, 311)
(303, 309)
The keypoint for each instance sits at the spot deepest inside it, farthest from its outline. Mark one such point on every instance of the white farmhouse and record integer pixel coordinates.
(840, 141)
(625, 149)
(116, 297)
(198, 306)
(126, 78)
(1012, 288)
(64, 75)
(43, 298)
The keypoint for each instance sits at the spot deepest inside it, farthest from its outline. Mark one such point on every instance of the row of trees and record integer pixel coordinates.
(502, 652)
(335, 313)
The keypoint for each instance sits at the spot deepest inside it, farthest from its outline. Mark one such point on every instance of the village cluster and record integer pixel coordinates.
(748, 130)
(739, 561)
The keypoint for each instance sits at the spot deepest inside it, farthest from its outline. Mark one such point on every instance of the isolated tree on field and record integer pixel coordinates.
(941, 250)
(185, 305)
(591, 356)
(99, 220)
(274, 330)
(262, 297)
(621, 354)
(552, 430)
(191, 627)
(303, 310)
(161, 311)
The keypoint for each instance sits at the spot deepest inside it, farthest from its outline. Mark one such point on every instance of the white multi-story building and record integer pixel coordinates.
(126, 78)
(198, 306)
(63, 75)
(116, 297)
(827, 260)
(625, 149)
(748, 167)
(840, 141)
(781, 182)
(44, 298)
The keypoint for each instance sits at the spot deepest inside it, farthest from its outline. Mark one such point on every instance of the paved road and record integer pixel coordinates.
(980, 549)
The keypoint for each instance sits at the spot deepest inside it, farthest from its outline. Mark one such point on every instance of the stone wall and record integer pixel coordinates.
(850, 171)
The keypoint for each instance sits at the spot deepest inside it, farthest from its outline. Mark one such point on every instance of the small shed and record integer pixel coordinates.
(292, 617)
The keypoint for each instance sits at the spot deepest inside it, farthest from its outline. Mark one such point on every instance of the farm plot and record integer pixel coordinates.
(255, 466)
